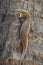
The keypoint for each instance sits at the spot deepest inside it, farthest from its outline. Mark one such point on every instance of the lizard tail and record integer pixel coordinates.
(23, 54)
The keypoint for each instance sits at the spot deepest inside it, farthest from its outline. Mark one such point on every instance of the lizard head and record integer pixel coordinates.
(22, 14)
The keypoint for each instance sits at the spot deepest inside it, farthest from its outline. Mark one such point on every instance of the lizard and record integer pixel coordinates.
(24, 31)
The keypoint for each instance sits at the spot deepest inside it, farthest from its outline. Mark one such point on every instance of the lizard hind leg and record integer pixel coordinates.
(19, 46)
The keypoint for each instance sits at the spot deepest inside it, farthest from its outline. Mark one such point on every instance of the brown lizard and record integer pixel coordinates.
(25, 28)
